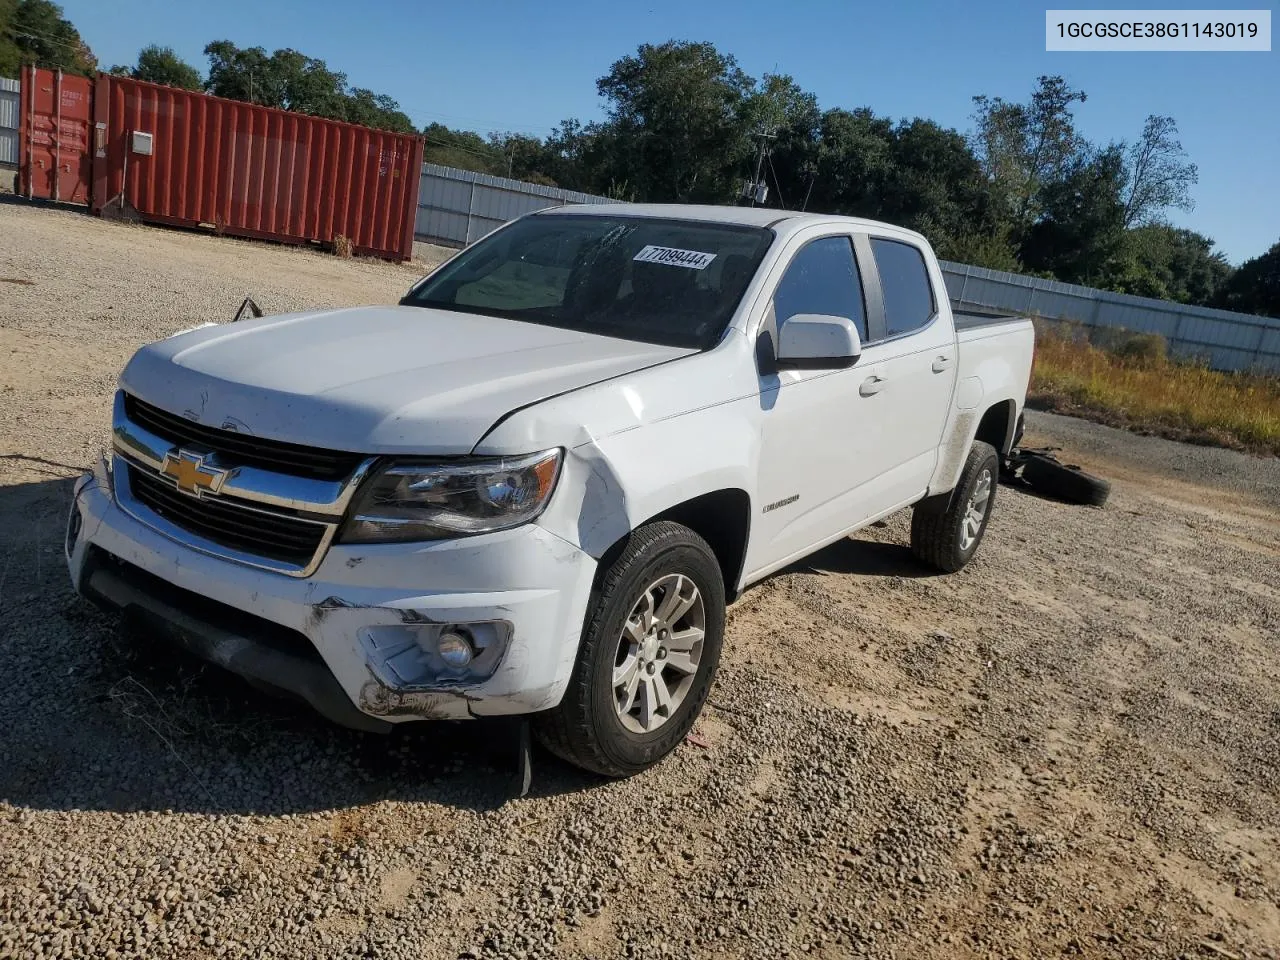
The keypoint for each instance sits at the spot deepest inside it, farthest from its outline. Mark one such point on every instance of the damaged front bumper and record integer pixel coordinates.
(355, 638)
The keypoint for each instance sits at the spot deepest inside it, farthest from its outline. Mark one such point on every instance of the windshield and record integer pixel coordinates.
(672, 282)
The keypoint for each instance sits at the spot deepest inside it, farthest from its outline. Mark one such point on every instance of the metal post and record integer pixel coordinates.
(964, 284)
(1256, 363)
(1097, 311)
(471, 207)
(31, 132)
(57, 138)
(1177, 330)
(807, 193)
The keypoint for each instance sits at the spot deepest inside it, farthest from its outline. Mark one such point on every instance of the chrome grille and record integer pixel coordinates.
(239, 449)
(273, 505)
(230, 523)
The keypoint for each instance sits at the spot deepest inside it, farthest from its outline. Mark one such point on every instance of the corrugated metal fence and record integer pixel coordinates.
(1226, 340)
(458, 207)
(9, 94)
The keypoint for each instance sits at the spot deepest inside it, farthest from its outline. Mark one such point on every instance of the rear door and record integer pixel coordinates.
(915, 351)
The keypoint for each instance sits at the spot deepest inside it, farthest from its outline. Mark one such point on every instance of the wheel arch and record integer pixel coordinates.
(721, 517)
(997, 425)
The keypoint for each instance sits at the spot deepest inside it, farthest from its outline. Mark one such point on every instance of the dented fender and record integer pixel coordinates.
(638, 446)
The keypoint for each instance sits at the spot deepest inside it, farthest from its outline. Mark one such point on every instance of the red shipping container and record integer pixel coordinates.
(56, 110)
(171, 156)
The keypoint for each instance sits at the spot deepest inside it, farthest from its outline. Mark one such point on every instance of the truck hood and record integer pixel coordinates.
(374, 379)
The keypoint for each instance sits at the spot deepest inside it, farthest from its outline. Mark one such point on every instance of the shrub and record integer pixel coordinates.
(1133, 383)
(1142, 347)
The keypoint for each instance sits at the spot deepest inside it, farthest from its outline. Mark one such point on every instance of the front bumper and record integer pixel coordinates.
(305, 635)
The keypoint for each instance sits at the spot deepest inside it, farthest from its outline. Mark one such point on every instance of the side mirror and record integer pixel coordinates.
(814, 340)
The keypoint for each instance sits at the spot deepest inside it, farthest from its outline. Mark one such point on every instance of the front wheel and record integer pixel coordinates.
(649, 653)
(946, 529)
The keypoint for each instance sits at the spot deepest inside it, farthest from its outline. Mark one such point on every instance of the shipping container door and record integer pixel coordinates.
(56, 110)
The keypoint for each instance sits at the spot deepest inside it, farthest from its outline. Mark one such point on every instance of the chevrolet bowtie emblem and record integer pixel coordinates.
(191, 473)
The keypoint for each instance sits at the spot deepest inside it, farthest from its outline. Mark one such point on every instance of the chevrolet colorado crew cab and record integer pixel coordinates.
(532, 486)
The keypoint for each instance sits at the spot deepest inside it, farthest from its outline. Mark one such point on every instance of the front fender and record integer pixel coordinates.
(610, 486)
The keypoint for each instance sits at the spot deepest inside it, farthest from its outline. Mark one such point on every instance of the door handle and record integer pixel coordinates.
(870, 386)
(941, 362)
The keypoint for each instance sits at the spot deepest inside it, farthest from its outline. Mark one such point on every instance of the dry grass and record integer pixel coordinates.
(1133, 384)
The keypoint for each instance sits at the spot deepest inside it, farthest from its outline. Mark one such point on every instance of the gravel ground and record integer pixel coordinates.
(1070, 748)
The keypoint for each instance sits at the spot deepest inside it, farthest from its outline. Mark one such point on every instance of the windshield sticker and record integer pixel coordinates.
(674, 257)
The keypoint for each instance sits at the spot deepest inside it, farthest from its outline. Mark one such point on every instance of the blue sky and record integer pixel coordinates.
(525, 66)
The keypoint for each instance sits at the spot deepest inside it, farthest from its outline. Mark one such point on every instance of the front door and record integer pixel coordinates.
(822, 443)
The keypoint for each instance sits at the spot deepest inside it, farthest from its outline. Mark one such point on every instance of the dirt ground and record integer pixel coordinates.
(1070, 748)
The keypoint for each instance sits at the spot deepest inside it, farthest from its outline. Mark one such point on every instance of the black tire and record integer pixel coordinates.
(937, 523)
(1064, 481)
(585, 729)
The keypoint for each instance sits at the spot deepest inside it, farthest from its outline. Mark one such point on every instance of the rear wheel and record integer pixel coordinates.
(946, 529)
(649, 653)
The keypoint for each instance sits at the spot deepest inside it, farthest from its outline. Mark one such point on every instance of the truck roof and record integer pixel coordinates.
(744, 216)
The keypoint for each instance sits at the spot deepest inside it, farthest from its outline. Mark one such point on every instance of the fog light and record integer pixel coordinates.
(455, 649)
(433, 656)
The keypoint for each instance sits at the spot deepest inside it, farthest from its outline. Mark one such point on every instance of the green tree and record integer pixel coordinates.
(1082, 227)
(525, 158)
(935, 185)
(307, 85)
(1159, 176)
(582, 158)
(290, 80)
(855, 159)
(915, 173)
(993, 250)
(677, 124)
(161, 65)
(378, 110)
(241, 74)
(286, 79)
(1255, 287)
(1162, 261)
(777, 105)
(35, 31)
(1026, 147)
(463, 149)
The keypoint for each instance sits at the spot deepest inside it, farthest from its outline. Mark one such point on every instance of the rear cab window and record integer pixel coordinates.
(904, 284)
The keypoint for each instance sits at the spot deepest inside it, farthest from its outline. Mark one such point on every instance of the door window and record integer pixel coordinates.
(904, 282)
(822, 278)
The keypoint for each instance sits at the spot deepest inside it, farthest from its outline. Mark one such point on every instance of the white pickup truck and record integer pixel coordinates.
(533, 485)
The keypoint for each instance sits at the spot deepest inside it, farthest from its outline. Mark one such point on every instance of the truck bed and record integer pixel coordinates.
(971, 317)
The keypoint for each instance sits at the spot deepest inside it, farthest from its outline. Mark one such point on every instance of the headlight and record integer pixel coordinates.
(429, 501)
